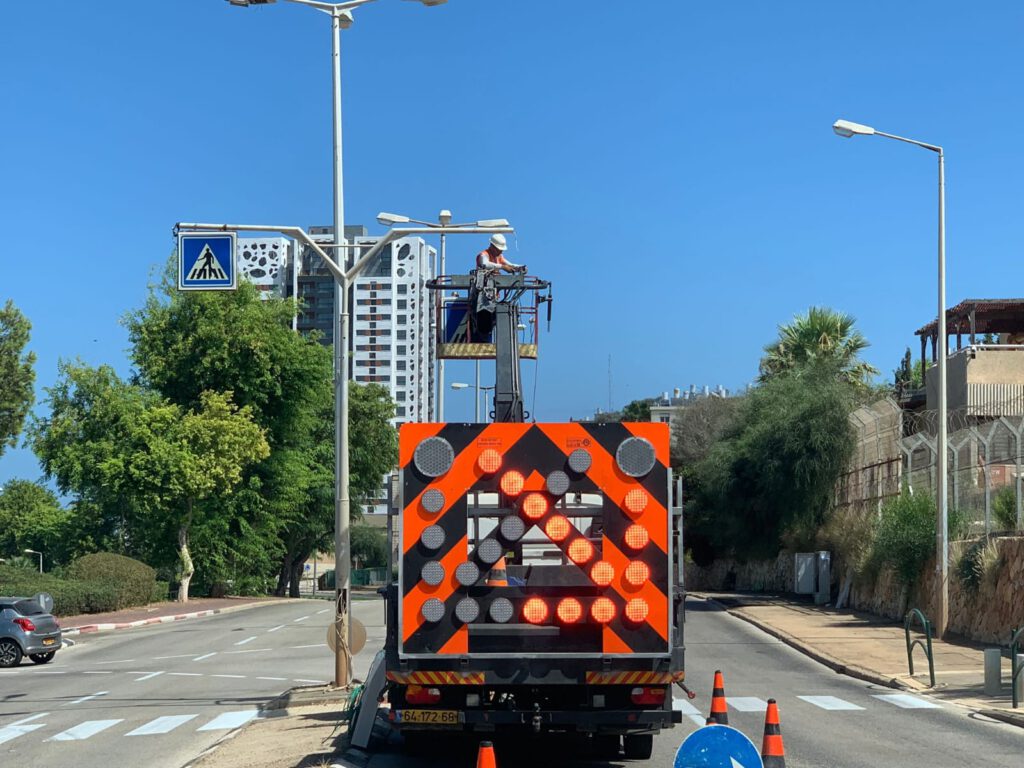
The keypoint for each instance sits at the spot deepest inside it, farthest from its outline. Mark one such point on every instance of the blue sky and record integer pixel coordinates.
(669, 165)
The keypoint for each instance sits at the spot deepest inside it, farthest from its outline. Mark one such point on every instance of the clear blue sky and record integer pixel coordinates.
(669, 165)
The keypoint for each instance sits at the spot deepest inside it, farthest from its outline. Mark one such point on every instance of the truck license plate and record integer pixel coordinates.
(428, 716)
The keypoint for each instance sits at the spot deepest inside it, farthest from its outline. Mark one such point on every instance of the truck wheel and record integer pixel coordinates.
(606, 745)
(638, 746)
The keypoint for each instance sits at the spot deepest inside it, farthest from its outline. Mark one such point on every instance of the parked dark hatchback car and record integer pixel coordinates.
(26, 629)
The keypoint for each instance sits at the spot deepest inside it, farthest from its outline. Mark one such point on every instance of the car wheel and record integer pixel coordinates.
(10, 653)
(638, 746)
(42, 658)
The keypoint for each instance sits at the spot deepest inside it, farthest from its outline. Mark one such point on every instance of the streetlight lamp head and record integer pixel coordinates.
(390, 219)
(430, 3)
(459, 385)
(247, 3)
(846, 129)
(492, 223)
(444, 218)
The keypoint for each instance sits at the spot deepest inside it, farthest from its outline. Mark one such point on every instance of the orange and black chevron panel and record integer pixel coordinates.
(534, 539)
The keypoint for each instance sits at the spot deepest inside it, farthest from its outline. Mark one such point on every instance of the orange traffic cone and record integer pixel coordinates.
(773, 754)
(711, 721)
(498, 577)
(719, 710)
(485, 757)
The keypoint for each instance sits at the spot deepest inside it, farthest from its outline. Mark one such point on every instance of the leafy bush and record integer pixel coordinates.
(161, 589)
(980, 564)
(69, 597)
(1004, 508)
(369, 545)
(133, 581)
(905, 536)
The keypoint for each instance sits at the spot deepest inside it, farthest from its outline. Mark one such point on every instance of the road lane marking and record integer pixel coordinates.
(206, 656)
(186, 674)
(247, 640)
(682, 705)
(314, 645)
(178, 656)
(10, 732)
(88, 698)
(236, 677)
(830, 702)
(27, 719)
(84, 730)
(280, 626)
(905, 701)
(251, 650)
(747, 704)
(229, 720)
(150, 676)
(325, 610)
(98, 672)
(164, 724)
(51, 672)
(121, 661)
(272, 678)
(302, 618)
(302, 680)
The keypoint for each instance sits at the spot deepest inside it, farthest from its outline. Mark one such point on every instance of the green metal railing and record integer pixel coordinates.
(926, 644)
(1016, 638)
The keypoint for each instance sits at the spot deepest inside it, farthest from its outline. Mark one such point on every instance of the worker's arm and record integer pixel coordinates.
(511, 268)
(483, 261)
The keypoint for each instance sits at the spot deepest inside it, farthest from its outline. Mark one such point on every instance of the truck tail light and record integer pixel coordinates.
(557, 528)
(647, 695)
(569, 610)
(26, 624)
(602, 573)
(512, 483)
(637, 610)
(637, 536)
(417, 694)
(637, 573)
(602, 610)
(535, 610)
(580, 551)
(535, 506)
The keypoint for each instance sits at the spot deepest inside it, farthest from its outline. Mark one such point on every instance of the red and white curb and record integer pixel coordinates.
(88, 628)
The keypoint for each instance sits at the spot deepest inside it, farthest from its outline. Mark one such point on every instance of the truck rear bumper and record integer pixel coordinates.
(583, 721)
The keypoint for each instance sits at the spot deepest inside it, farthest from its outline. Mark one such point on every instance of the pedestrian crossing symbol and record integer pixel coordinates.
(206, 261)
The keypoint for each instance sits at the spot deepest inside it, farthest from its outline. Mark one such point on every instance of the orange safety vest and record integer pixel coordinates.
(484, 253)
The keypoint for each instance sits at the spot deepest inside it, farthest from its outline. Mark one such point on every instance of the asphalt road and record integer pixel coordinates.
(168, 692)
(828, 720)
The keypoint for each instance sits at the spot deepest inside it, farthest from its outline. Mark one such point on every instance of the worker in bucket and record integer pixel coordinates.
(493, 258)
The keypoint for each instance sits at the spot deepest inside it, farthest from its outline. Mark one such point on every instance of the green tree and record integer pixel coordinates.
(774, 472)
(31, 518)
(910, 374)
(698, 426)
(17, 375)
(819, 335)
(638, 410)
(369, 546)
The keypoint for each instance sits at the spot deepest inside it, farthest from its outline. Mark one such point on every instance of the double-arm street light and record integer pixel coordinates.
(846, 129)
(33, 552)
(444, 219)
(341, 18)
(478, 395)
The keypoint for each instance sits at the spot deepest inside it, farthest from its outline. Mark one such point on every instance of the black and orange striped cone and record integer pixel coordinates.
(773, 754)
(711, 721)
(719, 709)
(498, 577)
(485, 757)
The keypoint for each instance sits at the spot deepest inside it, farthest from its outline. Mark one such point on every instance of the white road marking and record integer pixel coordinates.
(247, 640)
(121, 661)
(186, 674)
(682, 705)
(272, 678)
(237, 677)
(302, 680)
(28, 719)
(229, 720)
(88, 698)
(98, 672)
(206, 656)
(747, 704)
(150, 676)
(314, 645)
(325, 610)
(11, 732)
(84, 730)
(830, 703)
(51, 672)
(905, 701)
(251, 650)
(279, 626)
(302, 618)
(179, 656)
(164, 724)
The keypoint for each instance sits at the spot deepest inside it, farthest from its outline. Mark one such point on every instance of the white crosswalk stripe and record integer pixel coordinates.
(164, 724)
(906, 701)
(12, 732)
(830, 703)
(747, 704)
(84, 730)
(682, 705)
(229, 720)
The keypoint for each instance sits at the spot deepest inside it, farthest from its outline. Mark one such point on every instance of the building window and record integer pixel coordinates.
(401, 319)
(665, 419)
(401, 304)
(400, 335)
(400, 365)
(401, 349)
(403, 289)
(400, 381)
(400, 410)
(401, 395)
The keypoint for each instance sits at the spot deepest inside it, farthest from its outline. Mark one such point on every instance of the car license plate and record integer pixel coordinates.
(49, 640)
(428, 716)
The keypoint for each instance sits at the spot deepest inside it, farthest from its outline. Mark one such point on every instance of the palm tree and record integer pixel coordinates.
(820, 335)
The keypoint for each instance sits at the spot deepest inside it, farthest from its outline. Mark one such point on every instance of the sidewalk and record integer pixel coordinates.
(874, 649)
(159, 613)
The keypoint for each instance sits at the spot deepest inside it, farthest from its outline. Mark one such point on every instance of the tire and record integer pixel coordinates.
(10, 653)
(606, 745)
(638, 746)
(42, 658)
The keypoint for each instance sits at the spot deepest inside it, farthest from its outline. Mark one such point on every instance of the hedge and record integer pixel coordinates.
(133, 581)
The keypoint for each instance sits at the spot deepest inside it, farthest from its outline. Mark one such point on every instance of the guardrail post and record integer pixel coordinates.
(993, 671)
(926, 644)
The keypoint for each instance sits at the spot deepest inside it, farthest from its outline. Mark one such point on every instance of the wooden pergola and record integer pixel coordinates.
(972, 317)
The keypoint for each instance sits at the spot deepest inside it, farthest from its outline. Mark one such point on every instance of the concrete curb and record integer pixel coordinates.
(1013, 718)
(109, 627)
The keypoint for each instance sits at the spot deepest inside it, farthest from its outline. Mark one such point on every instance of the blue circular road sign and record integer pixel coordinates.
(717, 746)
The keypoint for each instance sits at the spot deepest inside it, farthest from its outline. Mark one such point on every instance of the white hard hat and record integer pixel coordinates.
(498, 241)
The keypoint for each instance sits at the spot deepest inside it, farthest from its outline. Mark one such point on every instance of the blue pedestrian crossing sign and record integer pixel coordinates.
(717, 746)
(206, 261)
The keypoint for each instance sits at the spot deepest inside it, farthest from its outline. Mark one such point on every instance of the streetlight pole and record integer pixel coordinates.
(33, 552)
(846, 129)
(341, 18)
